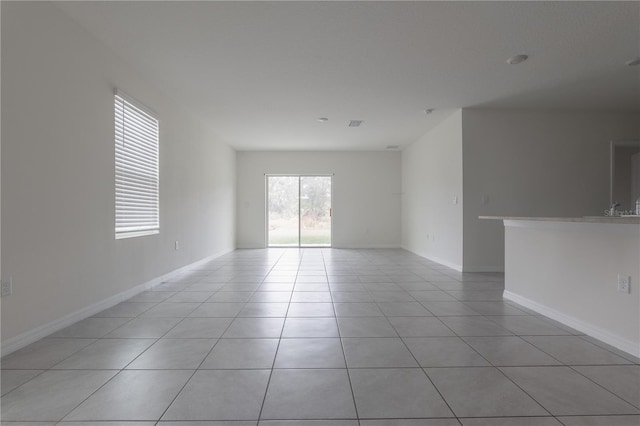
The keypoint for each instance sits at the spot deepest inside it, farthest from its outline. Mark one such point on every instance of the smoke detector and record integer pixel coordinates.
(517, 59)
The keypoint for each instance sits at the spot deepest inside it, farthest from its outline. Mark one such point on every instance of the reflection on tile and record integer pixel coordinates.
(307, 310)
(310, 327)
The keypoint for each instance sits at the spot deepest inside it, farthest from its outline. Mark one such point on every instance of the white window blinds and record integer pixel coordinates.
(137, 170)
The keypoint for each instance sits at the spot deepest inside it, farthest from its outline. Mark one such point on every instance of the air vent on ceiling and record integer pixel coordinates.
(355, 123)
(393, 147)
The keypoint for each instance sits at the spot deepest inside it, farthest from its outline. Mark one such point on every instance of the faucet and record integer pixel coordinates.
(612, 210)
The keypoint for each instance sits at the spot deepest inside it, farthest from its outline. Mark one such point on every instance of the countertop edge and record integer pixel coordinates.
(584, 219)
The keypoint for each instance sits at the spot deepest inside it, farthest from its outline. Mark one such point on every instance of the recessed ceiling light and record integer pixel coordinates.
(427, 111)
(323, 119)
(633, 63)
(392, 147)
(355, 123)
(514, 60)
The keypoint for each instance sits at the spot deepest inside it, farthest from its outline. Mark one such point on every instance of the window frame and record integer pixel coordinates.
(143, 161)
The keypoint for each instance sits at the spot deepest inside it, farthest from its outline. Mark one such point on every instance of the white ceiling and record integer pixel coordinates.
(261, 73)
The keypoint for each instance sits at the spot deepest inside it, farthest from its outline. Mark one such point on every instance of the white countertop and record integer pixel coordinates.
(584, 219)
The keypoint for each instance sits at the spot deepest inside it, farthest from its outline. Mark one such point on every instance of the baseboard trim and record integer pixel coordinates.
(599, 333)
(436, 259)
(483, 269)
(368, 246)
(18, 342)
(347, 247)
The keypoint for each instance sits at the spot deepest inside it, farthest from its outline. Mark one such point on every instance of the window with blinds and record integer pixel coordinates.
(137, 170)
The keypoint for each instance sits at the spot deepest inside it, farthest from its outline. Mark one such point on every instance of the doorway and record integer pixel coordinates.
(299, 211)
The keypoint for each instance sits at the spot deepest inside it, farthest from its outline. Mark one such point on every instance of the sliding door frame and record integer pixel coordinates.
(299, 176)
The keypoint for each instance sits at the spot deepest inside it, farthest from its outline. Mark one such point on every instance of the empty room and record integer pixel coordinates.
(320, 213)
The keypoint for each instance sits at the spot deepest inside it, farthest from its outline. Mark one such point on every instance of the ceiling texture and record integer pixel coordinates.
(262, 73)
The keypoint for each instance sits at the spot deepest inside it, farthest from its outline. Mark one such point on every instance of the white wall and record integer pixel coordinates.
(533, 163)
(58, 174)
(366, 194)
(635, 181)
(431, 177)
(569, 272)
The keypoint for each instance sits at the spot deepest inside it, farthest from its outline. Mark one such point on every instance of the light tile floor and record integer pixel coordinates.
(320, 337)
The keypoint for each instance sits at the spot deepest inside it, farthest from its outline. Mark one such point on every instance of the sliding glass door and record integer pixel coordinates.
(299, 211)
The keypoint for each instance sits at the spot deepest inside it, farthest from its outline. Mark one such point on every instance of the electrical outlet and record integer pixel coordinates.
(7, 287)
(624, 283)
(177, 245)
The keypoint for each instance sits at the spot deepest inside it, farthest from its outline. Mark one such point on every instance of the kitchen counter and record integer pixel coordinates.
(568, 268)
(583, 219)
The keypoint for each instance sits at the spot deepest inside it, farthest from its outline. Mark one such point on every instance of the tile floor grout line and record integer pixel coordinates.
(196, 370)
(369, 289)
(192, 374)
(428, 378)
(275, 356)
(344, 355)
(601, 386)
